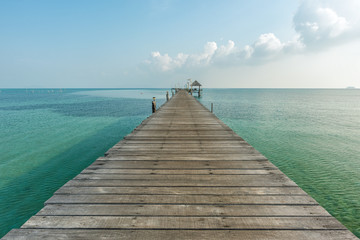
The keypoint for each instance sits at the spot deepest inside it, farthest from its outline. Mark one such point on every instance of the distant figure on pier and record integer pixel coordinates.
(154, 105)
(167, 95)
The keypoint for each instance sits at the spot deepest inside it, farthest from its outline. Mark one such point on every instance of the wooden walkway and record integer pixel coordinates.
(181, 174)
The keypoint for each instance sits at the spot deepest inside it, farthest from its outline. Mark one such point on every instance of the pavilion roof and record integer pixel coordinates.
(196, 84)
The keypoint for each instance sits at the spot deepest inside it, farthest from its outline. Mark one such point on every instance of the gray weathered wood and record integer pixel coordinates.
(190, 157)
(182, 172)
(255, 182)
(182, 190)
(181, 210)
(90, 234)
(182, 199)
(174, 222)
(182, 164)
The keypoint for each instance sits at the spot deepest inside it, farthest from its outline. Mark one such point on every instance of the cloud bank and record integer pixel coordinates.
(317, 25)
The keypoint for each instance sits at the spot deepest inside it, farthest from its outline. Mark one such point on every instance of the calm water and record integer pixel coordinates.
(313, 136)
(48, 136)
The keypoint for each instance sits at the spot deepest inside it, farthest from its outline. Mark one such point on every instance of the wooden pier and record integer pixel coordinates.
(181, 174)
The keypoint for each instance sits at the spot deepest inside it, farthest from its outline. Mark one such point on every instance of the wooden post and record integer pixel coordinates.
(199, 92)
(212, 108)
(154, 105)
(167, 95)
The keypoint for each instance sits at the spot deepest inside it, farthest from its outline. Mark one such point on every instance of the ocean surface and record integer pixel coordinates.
(48, 136)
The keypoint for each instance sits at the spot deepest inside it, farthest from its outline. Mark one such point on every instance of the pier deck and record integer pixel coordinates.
(181, 174)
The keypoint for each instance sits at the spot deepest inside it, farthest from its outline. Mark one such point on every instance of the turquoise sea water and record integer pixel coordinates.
(313, 136)
(48, 136)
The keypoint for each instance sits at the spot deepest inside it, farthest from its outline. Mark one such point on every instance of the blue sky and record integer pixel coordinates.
(158, 43)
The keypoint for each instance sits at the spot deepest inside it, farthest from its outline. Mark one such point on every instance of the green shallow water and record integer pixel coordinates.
(48, 136)
(313, 136)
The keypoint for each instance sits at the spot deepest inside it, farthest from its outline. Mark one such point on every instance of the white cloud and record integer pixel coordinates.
(268, 42)
(205, 57)
(165, 62)
(317, 24)
(226, 53)
(267, 45)
(248, 52)
(226, 50)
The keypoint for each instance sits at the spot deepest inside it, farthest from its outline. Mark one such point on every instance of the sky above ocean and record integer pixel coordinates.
(161, 43)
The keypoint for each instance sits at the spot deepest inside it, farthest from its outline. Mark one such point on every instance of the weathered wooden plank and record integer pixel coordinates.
(177, 151)
(181, 172)
(181, 210)
(183, 190)
(193, 142)
(166, 114)
(180, 122)
(115, 222)
(91, 234)
(169, 133)
(258, 182)
(211, 179)
(182, 199)
(180, 144)
(190, 147)
(190, 157)
(184, 138)
(183, 164)
(182, 127)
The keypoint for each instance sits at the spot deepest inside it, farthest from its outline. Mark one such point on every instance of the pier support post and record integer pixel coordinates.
(154, 105)
(212, 107)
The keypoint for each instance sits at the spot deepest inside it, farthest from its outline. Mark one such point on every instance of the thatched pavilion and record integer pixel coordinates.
(196, 84)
